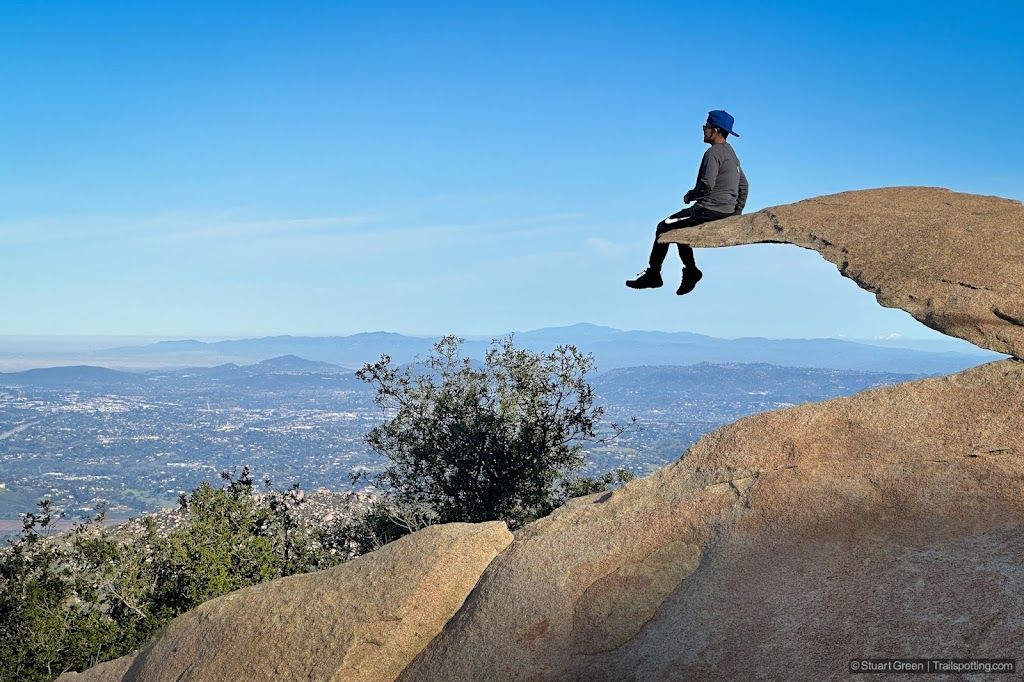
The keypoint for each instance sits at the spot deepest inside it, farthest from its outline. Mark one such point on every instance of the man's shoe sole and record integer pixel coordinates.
(633, 284)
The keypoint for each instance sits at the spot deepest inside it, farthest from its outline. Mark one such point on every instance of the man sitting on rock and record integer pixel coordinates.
(721, 191)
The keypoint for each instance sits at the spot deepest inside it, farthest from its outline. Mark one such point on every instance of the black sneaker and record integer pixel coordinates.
(690, 278)
(648, 279)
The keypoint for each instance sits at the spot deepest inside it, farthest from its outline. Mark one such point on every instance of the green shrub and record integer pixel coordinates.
(464, 442)
(70, 601)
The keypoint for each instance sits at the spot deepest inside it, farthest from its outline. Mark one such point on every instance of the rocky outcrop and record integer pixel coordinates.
(362, 621)
(953, 261)
(890, 523)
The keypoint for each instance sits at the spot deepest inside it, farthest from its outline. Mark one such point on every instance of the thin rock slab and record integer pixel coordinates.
(780, 547)
(111, 671)
(363, 621)
(954, 261)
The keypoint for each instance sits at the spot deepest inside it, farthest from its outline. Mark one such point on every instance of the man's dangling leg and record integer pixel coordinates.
(691, 274)
(686, 254)
(651, 277)
(659, 251)
(657, 257)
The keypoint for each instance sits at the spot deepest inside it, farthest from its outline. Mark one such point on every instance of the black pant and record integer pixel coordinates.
(688, 217)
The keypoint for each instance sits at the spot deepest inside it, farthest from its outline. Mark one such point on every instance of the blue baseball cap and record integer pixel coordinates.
(721, 119)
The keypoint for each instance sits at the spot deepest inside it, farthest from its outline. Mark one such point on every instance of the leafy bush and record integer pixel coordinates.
(68, 602)
(464, 442)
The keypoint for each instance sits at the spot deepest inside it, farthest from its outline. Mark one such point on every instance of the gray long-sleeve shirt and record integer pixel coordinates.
(721, 185)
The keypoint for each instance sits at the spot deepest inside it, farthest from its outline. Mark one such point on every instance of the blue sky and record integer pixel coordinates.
(227, 169)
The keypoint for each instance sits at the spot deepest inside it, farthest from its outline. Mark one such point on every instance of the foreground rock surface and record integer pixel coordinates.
(954, 261)
(890, 523)
(886, 524)
(362, 621)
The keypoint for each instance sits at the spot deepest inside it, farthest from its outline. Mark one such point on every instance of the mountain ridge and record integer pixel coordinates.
(611, 347)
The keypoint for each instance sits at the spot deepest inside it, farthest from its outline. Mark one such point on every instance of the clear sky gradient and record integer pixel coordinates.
(228, 169)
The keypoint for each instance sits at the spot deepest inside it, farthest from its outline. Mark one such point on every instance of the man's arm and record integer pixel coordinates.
(741, 197)
(705, 178)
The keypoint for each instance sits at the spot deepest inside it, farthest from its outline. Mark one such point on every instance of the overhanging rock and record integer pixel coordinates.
(954, 261)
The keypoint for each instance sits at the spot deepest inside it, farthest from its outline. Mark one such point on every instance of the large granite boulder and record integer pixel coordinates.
(953, 261)
(362, 621)
(890, 523)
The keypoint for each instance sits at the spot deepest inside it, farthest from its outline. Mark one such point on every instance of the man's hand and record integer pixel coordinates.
(686, 198)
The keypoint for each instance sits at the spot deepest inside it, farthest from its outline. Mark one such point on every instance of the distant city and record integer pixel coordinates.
(84, 436)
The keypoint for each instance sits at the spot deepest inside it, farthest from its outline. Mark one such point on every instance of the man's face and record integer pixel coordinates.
(709, 133)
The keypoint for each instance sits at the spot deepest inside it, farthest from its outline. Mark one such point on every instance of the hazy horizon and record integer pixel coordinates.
(18, 353)
(80, 342)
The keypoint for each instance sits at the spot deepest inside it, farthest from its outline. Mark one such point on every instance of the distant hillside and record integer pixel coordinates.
(70, 376)
(293, 363)
(287, 372)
